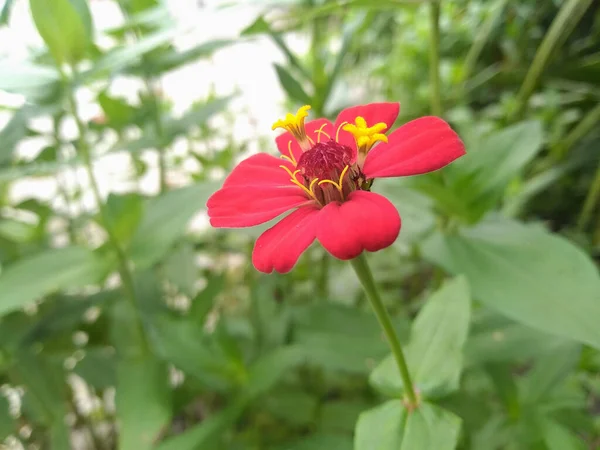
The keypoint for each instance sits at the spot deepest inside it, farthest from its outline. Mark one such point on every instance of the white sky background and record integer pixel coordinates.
(246, 66)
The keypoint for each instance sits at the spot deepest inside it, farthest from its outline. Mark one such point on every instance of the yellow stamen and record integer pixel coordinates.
(295, 125)
(366, 136)
(320, 131)
(338, 185)
(294, 180)
(337, 133)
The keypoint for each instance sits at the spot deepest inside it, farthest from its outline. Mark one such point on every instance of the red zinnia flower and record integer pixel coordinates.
(325, 175)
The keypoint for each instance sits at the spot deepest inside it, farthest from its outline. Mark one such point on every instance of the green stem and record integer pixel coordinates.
(361, 267)
(434, 58)
(124, 270)
(591, 201)
(158, 126)
(587, 124)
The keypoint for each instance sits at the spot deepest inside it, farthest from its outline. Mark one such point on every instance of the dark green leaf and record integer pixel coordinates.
(526, 274)
(291, 86)
(268, 369)
(7, 423)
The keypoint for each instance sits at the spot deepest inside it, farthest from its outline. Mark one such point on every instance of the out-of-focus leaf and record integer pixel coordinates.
(196, 116)
(165, 220)
(45, 396)
(181, 270)
(291, 86)
(143, 402)
(320, 441)
(173, 60)
(295, 407)
(35, 169)
(7, 423)
(436, 344)
(62, 28)
(548, 372)
(204, 434)
(36, 82)
(122, 57)
(527, 274)
(557, 437)
(16, 230)
(5, 16)
(269, 368)
(341, 415)
(52, 270)
(391, 427)
(118, 112)
(124, 212)
(98, 368)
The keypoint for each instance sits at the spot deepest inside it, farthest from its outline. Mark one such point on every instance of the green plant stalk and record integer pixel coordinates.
(363, 271)
(586, 125)
(434, 58)
(591, 202)
(124, 270)
(563, 24)
(59, 183)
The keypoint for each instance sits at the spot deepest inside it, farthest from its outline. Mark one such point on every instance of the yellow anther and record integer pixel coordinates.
(366, 136)
(295, 125)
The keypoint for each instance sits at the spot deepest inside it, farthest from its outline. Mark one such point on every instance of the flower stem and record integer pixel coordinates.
(361, 267)
(591, 201)
(434, 58)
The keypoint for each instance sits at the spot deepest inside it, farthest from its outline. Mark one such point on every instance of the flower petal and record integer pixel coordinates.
(366, 221)
(259, 170)
(422, 145)
(317, 130)
(280, 246)
(243, 206)
(256, 191)
(372, 113)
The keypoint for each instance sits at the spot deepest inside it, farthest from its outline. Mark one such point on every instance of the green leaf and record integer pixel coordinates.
(118, 112)
(204, 434)
(34, 81)
(269, 369)
(434, 353)
(173, 60)
(143, 402)
(52, 270)
(165, 220)
(5, 16)
(391, 427)
(320, 441)
(291, 86)
(181, 270)
(62, 28)
(557, 437)
(526, 274)
(124, 212)
(7, 423)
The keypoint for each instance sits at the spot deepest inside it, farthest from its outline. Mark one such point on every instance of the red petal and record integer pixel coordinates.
(256, 191)
(366, 221)
(279, 247)
(422, 145)
(259, 170)
(242, 206)
(372, 113)
(286, 141)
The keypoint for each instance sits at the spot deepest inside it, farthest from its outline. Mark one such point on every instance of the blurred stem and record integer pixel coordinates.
(591, 201)
(59, 182)
(363, 271)
(84, 151)
(434, 58)
(586, 125)
(563, 24)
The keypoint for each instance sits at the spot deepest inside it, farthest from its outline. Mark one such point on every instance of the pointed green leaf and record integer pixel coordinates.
(527, 274)
(291, 86)
(62, 28)
(557, 437)
(52, 270)
(391, 427)
(143, 402)
(434, 353)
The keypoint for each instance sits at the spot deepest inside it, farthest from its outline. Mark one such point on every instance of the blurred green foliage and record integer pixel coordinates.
(119, 329)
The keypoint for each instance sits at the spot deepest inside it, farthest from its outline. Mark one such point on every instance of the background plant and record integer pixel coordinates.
(121, 329)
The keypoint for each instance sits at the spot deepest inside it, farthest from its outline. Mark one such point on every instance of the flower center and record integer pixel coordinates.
(325, 160)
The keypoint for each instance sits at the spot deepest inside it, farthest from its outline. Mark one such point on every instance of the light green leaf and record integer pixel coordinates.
(180, 269)
(124, 213)
(291, 86)
(557, 437)
(52, 270)
(391, 427)
(269, 369)
(165, 220)
(526, 274)
(36, 82)
(62, 28)
(434, 353)
(143, 402)
(5, 16)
